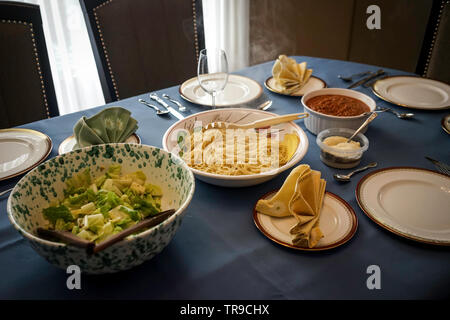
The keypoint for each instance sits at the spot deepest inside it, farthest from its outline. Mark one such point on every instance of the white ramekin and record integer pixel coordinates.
(317, 122)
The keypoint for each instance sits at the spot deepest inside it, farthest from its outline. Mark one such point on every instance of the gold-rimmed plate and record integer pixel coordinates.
(410, 202)
(314, 83)
(338, 223)
(413, 92)
(21, 150)
(238, 90)
(69, 143)
(445, 123)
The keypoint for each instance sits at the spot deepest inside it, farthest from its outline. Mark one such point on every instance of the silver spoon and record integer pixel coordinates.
(348, 79)
(365, 123)
(346, 177)
(180, 106)
(399, 115)
(368, 113)
(5, 192)
(265, 105)
(158, 111)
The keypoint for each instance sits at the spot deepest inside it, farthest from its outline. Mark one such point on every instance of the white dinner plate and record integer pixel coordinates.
(410, 202)
(314, 83)
(68, 144)
(413, 92)
(338, 223)
(238, 90)
(21, 150)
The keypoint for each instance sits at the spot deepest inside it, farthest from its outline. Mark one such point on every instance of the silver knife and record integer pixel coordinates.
(364, 80)
(370, 83)
(155, 97)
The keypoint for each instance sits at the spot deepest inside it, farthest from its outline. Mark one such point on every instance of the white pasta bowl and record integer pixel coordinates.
(170, 143)
(317, 121)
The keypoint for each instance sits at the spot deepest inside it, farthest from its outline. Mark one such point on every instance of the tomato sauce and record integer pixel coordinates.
(337, 105)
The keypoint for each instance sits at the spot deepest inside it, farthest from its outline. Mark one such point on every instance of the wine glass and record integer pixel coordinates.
(212, 72)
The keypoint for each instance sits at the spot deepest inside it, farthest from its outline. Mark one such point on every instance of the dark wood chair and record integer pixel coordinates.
(434, 61)
(143, 45)
(26, 85)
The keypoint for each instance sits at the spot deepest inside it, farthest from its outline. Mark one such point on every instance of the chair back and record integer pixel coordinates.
(434, 60)
(27, 93)
(143, 45)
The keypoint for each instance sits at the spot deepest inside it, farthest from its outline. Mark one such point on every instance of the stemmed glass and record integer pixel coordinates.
(212, 72)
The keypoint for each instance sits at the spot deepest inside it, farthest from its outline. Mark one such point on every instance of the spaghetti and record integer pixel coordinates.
(239, 152)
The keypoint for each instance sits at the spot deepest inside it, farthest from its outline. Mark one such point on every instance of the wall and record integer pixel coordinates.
(337, 29)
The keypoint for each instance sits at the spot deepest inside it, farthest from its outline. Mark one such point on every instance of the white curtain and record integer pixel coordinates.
(227, 27)
(74, 72)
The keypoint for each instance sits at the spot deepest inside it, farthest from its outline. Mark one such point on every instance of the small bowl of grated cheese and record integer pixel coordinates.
(336, 152)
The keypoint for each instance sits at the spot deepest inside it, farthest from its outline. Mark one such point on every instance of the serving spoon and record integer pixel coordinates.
(257, 124)
(346, 177)
(365, 123)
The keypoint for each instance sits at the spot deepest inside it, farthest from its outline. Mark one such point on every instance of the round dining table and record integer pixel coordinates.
(219, 253)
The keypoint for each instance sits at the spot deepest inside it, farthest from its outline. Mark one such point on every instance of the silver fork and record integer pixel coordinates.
(440, 166)
(158, 111)
(179, 105)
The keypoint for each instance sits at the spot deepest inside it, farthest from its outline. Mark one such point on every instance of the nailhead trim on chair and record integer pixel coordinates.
(430, 51)
(105, 51)
(194, 15)
(38, 65)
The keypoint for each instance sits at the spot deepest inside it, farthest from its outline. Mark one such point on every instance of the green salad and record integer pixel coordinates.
(95, 209)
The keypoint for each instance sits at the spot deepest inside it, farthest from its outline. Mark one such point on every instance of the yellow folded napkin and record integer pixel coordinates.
(302, 197)
(306, 205)
(289, 75)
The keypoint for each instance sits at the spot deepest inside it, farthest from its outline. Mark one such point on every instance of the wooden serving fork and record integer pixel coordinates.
(259, 123)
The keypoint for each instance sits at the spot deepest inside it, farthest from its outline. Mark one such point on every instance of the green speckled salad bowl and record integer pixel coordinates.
(46, 183)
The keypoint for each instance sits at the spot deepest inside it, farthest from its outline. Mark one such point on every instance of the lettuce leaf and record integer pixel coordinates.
(133, 214)
(114, 171)
(87, 235)
(78, 183)
(107, 200)
(153, 189)
(145, 206)
(94, 222)
(76, 201)
(61, 225)
(52, 214)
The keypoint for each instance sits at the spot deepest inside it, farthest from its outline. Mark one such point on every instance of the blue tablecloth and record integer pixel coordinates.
(218, 253)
